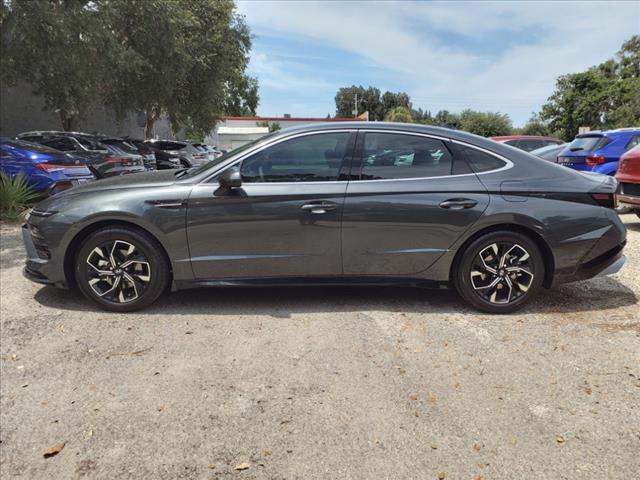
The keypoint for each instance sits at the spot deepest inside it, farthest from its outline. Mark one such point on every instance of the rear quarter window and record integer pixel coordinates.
(480, 161)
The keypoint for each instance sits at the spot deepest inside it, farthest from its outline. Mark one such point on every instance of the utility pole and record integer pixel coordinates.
(355, 106)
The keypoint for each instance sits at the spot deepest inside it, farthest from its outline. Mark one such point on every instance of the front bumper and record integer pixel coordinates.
(615, 267)
(39, 269)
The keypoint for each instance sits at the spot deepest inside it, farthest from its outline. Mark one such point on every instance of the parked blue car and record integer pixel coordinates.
(599, 151)
(47, 170)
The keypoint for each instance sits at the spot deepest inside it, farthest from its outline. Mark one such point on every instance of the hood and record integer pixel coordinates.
(153, 178)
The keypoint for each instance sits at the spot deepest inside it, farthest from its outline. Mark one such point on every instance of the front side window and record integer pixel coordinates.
(310, 158)
(395, 155)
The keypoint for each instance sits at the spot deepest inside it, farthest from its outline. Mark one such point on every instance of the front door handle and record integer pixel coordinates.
(318, 208)
(458, 203)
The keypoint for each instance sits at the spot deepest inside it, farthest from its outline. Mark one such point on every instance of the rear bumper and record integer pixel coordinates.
(628, 193)
(628, 201)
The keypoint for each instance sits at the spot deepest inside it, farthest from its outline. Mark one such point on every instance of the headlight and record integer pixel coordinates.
(40, 213)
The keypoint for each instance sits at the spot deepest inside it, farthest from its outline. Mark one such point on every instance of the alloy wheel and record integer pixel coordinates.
(502, 272)
(118, 271)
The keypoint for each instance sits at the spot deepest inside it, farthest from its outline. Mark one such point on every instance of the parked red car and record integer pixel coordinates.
(628, 176)
(528, 143)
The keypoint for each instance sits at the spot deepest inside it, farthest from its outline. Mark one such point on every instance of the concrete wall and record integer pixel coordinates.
(21, 110)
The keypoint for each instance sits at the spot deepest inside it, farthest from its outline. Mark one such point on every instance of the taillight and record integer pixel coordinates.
(49, 167)
(605, 199)
(593, 160)
(116, 159)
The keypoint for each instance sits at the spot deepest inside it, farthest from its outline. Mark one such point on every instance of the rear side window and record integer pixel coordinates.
(64, 144)
(311, 158)
(89, 145)
(531, 144)
(396, 155)
(168, 145)
(588, 143)
(481, 161)
(632, 143)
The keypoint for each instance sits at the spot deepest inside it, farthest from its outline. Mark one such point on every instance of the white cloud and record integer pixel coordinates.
(406, 39)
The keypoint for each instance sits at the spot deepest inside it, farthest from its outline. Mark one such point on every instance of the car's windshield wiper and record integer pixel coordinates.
(576, 149)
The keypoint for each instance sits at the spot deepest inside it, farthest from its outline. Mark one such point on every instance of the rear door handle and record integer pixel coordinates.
(458, 203)
(318, 208)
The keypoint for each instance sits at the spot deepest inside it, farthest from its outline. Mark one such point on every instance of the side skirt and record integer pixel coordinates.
(309, 282)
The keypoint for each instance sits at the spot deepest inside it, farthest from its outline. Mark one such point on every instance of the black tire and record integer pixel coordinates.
(144, 275)
(519, 277)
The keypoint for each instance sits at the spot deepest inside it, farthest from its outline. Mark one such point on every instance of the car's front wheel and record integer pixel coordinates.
(499, 272)
(121, 269)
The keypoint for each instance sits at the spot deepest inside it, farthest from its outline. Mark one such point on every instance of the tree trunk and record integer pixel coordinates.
(69, 120)
(152, 115)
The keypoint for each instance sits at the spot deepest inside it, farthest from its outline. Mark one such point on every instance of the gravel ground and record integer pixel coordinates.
(321, 383)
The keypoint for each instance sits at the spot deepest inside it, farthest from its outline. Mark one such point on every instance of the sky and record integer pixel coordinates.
(489, 56)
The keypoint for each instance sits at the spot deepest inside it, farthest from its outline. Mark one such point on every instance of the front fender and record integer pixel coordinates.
(141, 208)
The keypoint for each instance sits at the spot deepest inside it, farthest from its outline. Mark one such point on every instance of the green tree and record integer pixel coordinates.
(535, 126)
(369, 100)
(446, 119)
(391, 100)
(400, 114)
(242, 97)
(55, 45)
(185, 59)
(580, 99)
(603, 97)
(487, 124)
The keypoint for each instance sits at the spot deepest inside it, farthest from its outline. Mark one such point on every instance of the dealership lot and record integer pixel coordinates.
(321, 383)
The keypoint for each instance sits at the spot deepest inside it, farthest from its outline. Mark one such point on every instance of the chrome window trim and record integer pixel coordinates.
(262, 147)
(508, 163)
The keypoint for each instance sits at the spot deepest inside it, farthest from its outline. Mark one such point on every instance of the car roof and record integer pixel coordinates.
(610, 133)
(523, 137)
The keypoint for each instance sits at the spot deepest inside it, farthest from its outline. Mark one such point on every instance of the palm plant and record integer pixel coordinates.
(15, 196)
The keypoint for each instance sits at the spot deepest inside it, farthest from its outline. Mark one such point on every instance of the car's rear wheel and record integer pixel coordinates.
(121, 269)
(499, 272)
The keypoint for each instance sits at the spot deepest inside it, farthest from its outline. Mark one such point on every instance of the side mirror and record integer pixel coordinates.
(228, 180)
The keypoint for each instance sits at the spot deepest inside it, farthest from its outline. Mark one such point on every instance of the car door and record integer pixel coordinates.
(407, 205)
(284, 220)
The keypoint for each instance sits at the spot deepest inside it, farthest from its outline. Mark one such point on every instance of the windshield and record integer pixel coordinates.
(588, 143)
(191, 172)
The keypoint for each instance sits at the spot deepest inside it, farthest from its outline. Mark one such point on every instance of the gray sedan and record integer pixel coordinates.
(354, 203)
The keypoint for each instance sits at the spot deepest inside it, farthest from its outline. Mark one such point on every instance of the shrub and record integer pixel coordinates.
(15, 196)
